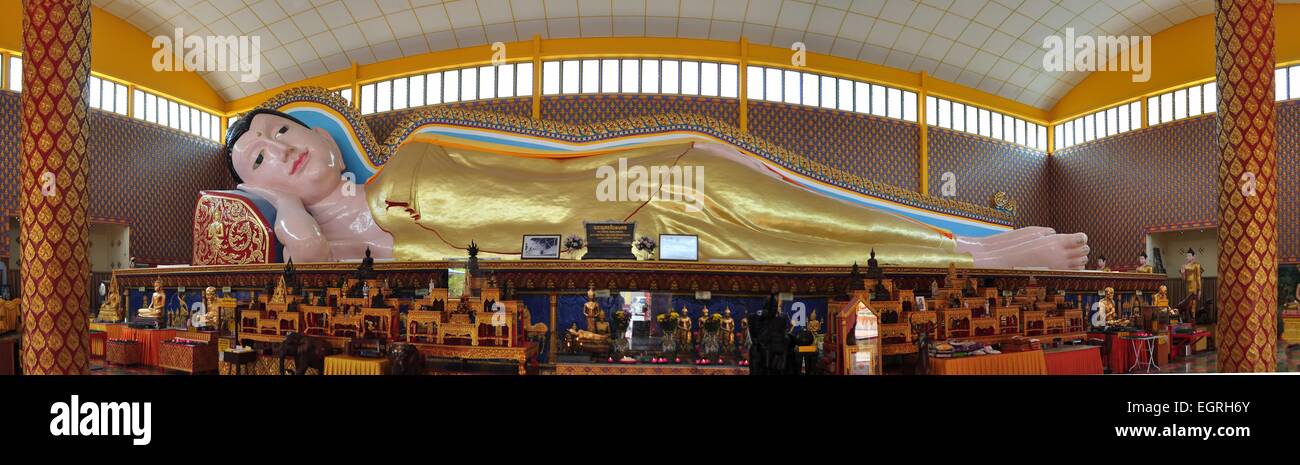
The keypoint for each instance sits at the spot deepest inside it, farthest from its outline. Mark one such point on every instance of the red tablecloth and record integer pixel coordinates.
(116, 330)
(1029, 362)
(149, 339)
(97, 339)
(1082, 360)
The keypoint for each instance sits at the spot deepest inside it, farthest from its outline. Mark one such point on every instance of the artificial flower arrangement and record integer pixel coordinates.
(621, 320)
(123, 341)
(714, 323)
(667, 322)
(574, 242)
(645, 243)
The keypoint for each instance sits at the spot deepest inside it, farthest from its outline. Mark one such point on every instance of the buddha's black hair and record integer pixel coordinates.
(241, 126)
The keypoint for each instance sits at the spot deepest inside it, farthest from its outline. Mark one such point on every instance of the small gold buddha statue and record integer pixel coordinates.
(1161, 299)
(1113, 317)
(814, 325)
(216, 233)
(155, 308)
(108, 311)
(281, 293)
(582, 336)
(211, 316)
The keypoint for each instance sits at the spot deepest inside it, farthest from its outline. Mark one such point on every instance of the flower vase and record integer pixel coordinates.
(668, 343)
(643, 254)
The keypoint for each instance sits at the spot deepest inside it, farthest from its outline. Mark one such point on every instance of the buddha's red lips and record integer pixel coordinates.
(298, 163)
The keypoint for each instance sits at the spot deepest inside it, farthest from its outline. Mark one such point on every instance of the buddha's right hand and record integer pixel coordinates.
(295, 227)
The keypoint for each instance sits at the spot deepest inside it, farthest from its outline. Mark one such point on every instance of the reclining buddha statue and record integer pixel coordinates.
(432, 196)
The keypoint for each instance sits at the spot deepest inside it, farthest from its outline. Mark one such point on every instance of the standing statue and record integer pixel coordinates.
(1192, 278)
(728, 331)
(684, 326)
(701, 333)
(595, 316)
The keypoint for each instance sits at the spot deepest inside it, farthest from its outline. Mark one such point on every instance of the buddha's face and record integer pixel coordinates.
(281, 155)
(1142, 259)
(1191, 257)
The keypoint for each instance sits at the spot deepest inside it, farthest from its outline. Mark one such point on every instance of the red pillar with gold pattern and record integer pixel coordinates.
(1246, 337)
(56, 269)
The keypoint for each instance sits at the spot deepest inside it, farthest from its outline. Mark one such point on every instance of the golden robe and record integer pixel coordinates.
(434, 199)
(1192, 277)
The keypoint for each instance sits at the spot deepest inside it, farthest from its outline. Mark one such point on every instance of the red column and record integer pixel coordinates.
(56, 269)
(1246, 337)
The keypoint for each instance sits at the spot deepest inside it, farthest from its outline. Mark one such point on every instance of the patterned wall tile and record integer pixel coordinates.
(1116, 188)
(879, 149)
(1288, 185)
(983, 167)
(141, 174)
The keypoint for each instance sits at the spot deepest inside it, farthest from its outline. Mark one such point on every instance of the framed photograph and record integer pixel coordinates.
(920, 304)
(541, 246)
(681, 247)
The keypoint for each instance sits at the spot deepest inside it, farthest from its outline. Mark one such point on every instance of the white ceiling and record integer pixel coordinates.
(994, 46)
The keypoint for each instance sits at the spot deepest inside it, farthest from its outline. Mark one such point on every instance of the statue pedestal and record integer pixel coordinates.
(140, 322)
(108, 316)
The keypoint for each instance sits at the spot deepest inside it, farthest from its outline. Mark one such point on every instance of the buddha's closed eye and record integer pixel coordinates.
(258, 161)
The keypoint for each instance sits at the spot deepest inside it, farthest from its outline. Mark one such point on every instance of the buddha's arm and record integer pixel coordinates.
(295, 227)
